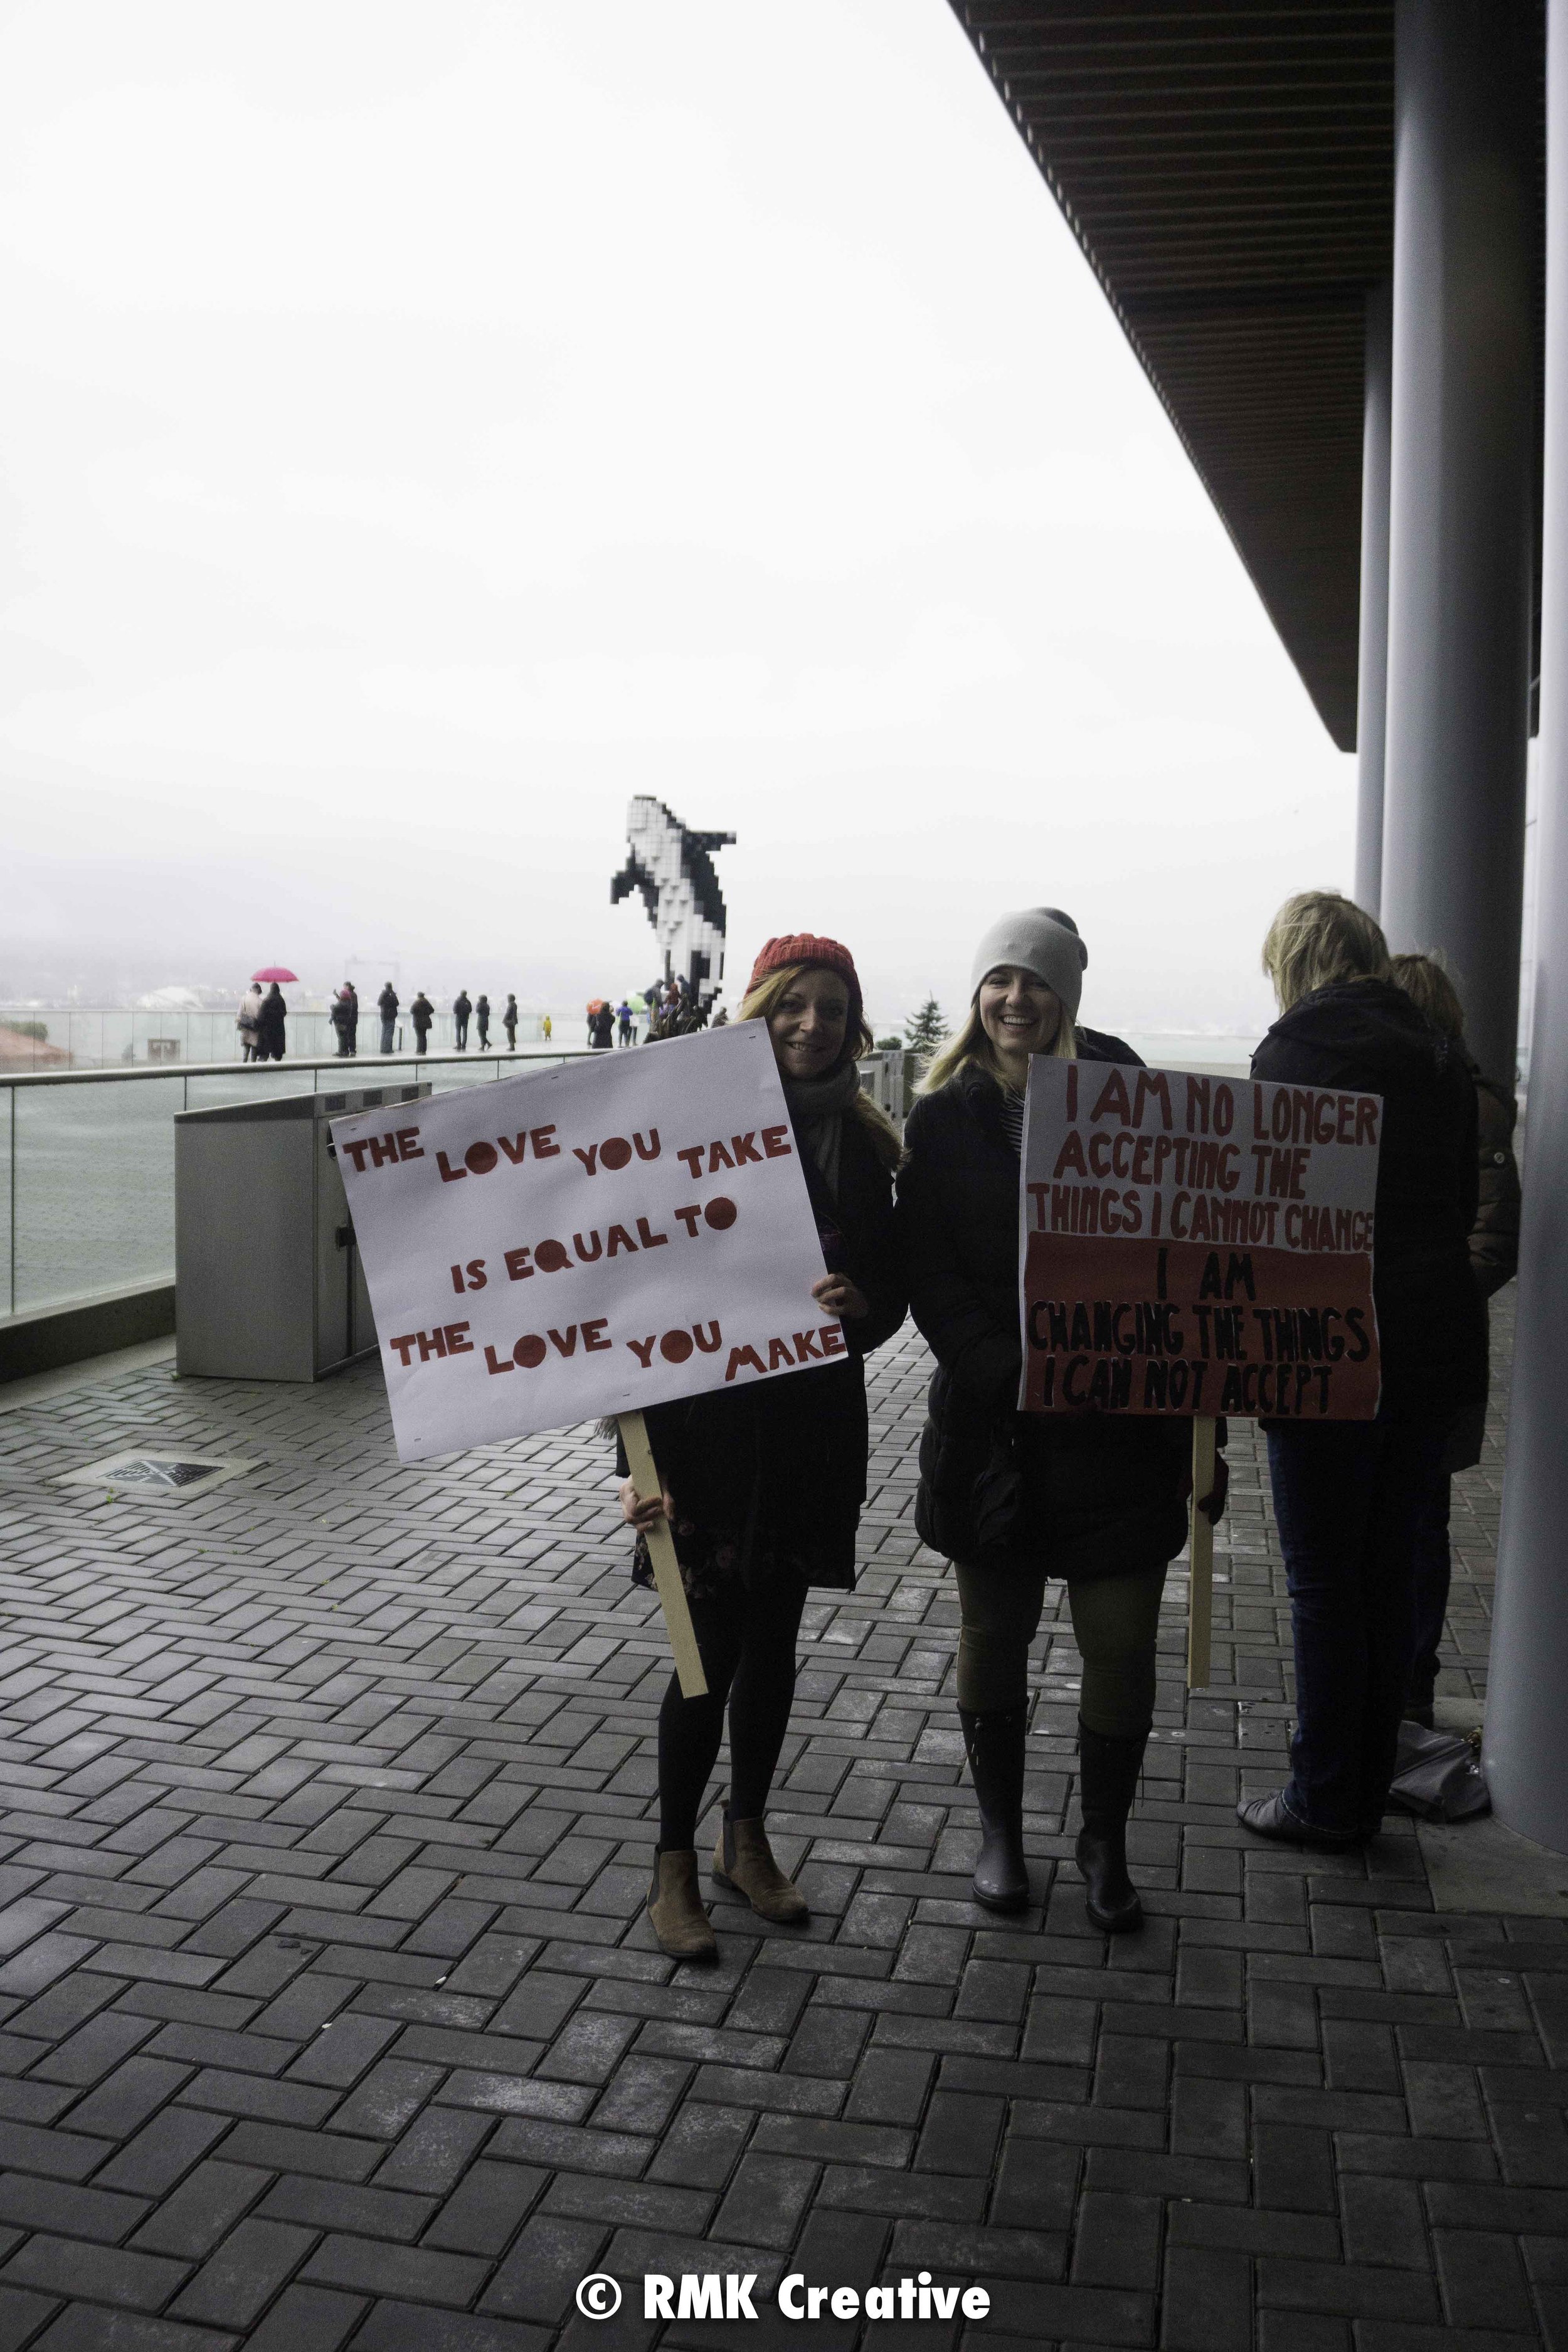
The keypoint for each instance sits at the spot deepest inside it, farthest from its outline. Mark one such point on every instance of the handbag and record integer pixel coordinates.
(1438, 1776)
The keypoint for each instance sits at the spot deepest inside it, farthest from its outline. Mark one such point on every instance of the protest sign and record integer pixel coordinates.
(1195, 1245)
(585, 1240)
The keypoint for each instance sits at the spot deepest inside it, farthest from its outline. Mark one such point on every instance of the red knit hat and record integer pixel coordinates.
(805, 947)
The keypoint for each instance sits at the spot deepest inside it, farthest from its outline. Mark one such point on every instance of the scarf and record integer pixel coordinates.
(816, 1108)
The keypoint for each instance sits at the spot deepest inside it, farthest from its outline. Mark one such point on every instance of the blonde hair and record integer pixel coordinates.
(760, 1004)
(1319, 937)
(1428, 984)
(972, 1048)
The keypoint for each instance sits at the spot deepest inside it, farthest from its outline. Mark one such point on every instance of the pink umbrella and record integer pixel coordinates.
(274, 972)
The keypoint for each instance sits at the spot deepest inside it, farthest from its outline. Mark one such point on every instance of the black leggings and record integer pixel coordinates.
(747, 1643)
(1115, 1622)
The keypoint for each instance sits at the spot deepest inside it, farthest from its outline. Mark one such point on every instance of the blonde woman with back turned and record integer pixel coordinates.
(1350, 1496)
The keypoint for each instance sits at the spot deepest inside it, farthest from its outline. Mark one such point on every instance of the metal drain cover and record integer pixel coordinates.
(170, 1477)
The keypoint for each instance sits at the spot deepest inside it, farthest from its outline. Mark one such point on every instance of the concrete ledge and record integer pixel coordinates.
(1481, 1867)
(48, 1337)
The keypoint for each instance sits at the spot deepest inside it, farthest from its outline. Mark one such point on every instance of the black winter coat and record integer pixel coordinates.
(1431, 1324)
(1494, 1236)
(1092, 1495)
(790, 1454)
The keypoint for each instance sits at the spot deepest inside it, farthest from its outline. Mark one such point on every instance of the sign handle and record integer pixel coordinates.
(1200, 1573)
(666, 1567)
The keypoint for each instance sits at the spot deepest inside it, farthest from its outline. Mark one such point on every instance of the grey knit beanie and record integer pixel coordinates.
(1039, 940)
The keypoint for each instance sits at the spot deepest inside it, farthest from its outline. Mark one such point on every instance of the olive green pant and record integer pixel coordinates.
(1114, 1622)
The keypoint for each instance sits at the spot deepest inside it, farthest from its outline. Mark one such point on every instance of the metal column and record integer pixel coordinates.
(1372, 685)
(1527, 1710)
(1460, 509)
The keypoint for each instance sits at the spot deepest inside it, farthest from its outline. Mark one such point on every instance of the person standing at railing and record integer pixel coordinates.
(249, 1023)
(272, 1025)
(342, 1018)
(386, 1006)
(508, 1023)
(547, 1028)
(421, 1012)
(461, 1008)
(482, 1017)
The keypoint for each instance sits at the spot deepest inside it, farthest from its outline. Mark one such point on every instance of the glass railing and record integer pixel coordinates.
(87, 1162)
(86, 1159)
(84, 1038)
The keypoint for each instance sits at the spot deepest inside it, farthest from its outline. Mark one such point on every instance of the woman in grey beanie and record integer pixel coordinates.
(1014, 1500)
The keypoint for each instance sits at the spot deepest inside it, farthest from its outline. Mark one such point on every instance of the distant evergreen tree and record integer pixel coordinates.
(926, 1032)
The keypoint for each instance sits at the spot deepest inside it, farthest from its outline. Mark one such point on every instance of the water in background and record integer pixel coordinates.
(1175, 1049)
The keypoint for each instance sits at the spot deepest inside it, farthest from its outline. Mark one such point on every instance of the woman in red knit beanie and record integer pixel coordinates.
(764, 1484)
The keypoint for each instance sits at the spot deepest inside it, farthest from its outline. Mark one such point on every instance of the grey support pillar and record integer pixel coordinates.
(1460, 509)
(1372, 685)
(1527, 1696)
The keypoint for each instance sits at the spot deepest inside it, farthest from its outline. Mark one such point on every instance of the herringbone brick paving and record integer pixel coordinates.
(327, 2014)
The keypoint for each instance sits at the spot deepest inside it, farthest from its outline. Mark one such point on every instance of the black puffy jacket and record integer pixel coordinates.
(1091, 1494)
(1366, 1035)
(791, 1452)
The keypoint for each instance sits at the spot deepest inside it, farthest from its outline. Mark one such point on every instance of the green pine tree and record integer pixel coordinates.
(926, 1032)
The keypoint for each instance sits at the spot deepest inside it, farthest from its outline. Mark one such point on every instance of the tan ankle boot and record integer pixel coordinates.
(745, 1860)
(675, 1907)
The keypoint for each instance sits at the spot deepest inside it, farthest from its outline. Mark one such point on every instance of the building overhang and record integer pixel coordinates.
(1227, 169)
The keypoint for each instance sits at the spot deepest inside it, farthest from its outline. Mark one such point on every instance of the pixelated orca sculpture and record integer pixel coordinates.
(673, 868)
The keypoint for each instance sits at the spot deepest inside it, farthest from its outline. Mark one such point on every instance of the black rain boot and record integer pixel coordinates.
(995, 1745)
(1107, 1773)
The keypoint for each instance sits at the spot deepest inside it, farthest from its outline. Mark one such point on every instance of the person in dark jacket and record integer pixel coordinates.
(764, 1485)
(1013, 1499)
(270, 1025)
(482, 1020)
(421, 1012)
(386, 1006)
(1350, 1496)
(601, 1026)
(461, 1008)
(1494, 1260)
(342, 1019)
(508, 1023)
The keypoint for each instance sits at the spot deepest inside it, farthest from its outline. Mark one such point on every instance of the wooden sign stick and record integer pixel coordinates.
(666, 1567)
(1200, 1573)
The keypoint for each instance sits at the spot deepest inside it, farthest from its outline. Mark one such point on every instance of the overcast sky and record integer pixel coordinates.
(427, 423)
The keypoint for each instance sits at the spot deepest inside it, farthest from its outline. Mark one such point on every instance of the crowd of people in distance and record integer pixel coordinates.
(928, 1224)
(666, 1008)
(262, 1021)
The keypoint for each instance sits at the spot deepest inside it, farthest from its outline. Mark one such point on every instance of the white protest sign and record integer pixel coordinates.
(585, 1240)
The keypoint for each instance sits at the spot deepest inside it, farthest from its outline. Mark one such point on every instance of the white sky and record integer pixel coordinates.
(427, 423)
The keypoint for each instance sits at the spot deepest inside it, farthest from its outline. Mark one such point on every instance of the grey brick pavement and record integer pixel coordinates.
(328, 2015)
